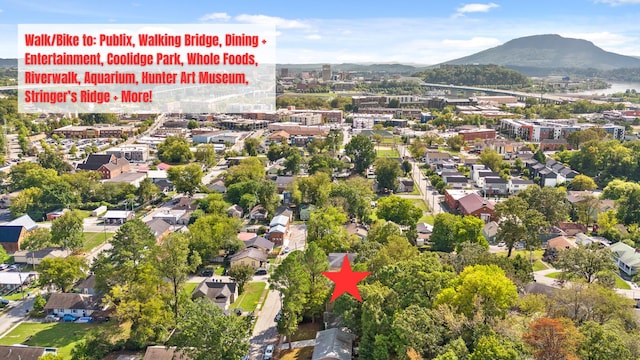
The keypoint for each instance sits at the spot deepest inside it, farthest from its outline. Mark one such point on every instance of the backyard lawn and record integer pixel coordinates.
(248, 300)
(189, 287)
(60, 335)
(93, 239)
(304, 353)
(620, 284)
(390, 153)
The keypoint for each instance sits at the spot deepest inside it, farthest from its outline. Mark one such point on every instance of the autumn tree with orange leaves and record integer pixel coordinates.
(553, 339)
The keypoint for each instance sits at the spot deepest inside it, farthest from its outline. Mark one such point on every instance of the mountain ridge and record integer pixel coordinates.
(549, 51)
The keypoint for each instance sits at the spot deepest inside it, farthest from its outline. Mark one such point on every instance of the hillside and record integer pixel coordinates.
(473, 75)
(549, 51)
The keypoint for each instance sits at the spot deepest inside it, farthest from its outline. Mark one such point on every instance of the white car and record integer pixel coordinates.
(501, 244)
(286, 250)
(268, 352)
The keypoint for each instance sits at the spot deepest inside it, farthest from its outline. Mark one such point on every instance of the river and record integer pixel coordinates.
(615, 88)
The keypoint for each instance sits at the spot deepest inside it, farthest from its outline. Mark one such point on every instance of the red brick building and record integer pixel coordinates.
(476, 205)
(473, 134)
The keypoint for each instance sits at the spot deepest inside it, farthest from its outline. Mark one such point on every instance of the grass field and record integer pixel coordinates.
(60, 335)
(93, 239)
(248, 301)
(620, 284)
(304, 353)
(390, 153)
(189, 287)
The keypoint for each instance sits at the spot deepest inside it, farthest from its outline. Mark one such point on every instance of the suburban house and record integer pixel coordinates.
(60, 304)
(250, 256)
(258, 213)
(282, 183)
(278, 228)
(36, 256)
(12, 236)
(159, 228)
(490, 231)
(475, 205)
(336, 259)
(559, 243)
(551, 173)
(164, 353)
(516, 185)
(405, 185)
(221, 293)
(305, 211)
(430, 157)
(50, 216)
(218, 186)
(24, 220)
(118, 216)
(495, 185)
(333, 344)
(87, 286)
(21, 352)
(626, 257)
(452, 196)
(12, 280)
(173, 217)
(572, 228)
(259, 243)
(109, 166)
(235, 211)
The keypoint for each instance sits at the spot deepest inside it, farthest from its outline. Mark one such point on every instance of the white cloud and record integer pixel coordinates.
(279, 22)
(617, 2)
(216, 16)
(474, 8)
(313, 37)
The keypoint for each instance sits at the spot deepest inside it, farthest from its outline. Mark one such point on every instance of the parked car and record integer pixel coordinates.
(268, 352)
(278, 316)
(261, 272)
(285, 250)
(3, 266)
(4, 302)
(237, 311)
(51, 318)
(207, 272)
(84, 319)
(69, 318)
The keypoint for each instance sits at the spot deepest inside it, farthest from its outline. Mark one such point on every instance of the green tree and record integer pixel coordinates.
(325, 227)
(357, 195)
(443, 237)
(581, 183)
(214, 204)
(175, 263)
(206, 154)
(550, 202)
(251, 146)
(491, 159)
(37, 239)
(210, 233)
(292, 281)
(147, 190)
(362, 153)
(483, 288)
(406, 167)
(292, 162)
(602, 343)
(62, 272)
(248, 169)
(387, 173)
(585, 262)
(241, 274)
(399, 210)
(314, 262)
(192, 125)
(313, 189)
(68, 230)
(495, 348)
(205, 333)
(50, 159)
(455, 142)
(187, 179)
(174, 150)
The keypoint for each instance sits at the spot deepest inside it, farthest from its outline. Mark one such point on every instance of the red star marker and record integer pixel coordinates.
(346, 280)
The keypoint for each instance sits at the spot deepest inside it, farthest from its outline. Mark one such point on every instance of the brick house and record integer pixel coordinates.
(475, 205)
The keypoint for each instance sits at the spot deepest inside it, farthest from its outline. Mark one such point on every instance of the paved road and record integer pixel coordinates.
(265, 331)
(15, 315)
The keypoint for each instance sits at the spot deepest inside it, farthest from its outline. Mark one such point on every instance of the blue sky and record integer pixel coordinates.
(329, 31)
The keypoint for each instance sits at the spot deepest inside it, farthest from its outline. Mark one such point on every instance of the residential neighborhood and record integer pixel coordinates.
(465, 209)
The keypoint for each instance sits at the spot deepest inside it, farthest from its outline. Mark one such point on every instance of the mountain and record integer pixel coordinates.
(549, 52)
